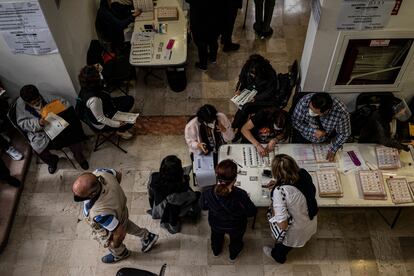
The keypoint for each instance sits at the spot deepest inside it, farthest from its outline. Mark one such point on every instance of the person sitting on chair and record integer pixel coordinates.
(266, 127)
(207, 131)
(5, 125)
(376, 128)
(100, 106)
(318, 118)
(28, 115)
(170, 195)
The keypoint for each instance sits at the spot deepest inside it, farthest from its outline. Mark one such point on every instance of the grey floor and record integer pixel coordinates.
(48, 237)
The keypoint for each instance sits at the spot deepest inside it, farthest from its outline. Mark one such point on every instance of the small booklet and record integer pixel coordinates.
(125, 117)
(244, 97)
(55, 126)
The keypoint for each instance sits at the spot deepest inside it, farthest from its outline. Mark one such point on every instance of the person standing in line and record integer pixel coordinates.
(293, 206)
(105, 210)
(230, 9)
(228, 209)
(205, 30)
(263, 17)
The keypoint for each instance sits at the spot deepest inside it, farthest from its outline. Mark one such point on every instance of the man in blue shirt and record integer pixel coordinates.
(321, 119)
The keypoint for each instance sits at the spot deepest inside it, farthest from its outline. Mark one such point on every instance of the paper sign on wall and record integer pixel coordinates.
(364, 14)
(25, 30)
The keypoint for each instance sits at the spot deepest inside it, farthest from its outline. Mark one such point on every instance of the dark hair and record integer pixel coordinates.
(207, 114)
(29, 93)
(260, 66)
(321, 101)
(171, 169)
(89, 77)
(226, 173)
(386, 109)
(281, 118)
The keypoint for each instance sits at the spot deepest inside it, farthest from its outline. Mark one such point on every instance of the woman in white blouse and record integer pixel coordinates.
(100, 106)
(207, 131)
(293, 196)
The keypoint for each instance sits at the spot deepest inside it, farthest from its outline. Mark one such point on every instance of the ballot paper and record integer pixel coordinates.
(55, 125)
(244, 97)
(125, 117)
(203, 166)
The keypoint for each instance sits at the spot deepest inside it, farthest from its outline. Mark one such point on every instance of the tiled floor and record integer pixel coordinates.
(49, 239)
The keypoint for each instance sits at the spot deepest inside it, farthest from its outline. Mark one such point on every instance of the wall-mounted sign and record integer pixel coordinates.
(364, 14)
(24, 28)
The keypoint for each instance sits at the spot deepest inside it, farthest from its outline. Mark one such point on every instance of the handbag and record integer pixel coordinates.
(277, 233)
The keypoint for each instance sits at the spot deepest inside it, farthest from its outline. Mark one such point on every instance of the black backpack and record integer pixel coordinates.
(359, 117)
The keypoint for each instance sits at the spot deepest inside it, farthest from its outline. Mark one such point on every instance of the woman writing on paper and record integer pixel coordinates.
(207, 131)
(100, 107)
(294, 207)
(268, 126)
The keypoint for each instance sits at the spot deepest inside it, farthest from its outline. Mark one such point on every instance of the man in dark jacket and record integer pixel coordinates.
(230, 9)
(205, 19)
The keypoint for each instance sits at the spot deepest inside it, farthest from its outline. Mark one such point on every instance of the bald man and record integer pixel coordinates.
(104, 208)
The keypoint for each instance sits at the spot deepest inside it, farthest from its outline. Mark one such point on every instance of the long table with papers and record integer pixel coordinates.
(344, 170)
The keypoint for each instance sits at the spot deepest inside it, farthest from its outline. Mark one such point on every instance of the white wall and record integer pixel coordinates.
(321, 43)
(72, 27)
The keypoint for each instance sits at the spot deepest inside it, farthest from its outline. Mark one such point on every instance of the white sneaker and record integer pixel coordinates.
(267, 250)
(125, 135)
(14, 153)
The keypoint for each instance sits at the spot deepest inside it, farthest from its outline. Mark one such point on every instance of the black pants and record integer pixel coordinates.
(4, 144)
(236, 241)
(4, 171)
(51, 159)
(123, 104)
(230, 14)
(279, 252)
(264, 12)
(206, 49)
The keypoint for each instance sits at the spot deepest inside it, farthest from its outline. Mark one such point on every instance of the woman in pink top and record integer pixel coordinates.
(207, 131)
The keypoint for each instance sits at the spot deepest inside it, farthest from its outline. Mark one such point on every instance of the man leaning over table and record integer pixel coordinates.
(319, 118)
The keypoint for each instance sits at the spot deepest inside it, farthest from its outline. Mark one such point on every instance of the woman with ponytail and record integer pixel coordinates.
(228, 209)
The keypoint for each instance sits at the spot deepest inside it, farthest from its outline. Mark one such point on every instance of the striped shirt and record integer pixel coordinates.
(335, 121)
(107, 221)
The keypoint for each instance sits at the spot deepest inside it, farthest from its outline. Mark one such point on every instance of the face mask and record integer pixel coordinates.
(79, 198)
(277, 128)
(312, 113)
(211, 125)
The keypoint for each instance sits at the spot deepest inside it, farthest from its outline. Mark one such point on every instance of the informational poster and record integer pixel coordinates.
(24, 28)
(364, 14)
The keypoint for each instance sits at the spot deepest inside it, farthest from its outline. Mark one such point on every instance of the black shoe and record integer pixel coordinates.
(84, 165)
(200, 66)
(231, 47)
(293, 74)
(257, 28)
(213, 59)
(149, 242)
(267, 34)
(13, 181)
(52, 168)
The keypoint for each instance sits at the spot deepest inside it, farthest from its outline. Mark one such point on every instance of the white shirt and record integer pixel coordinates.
(192, 132)
(289, 200)
(95, 105)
